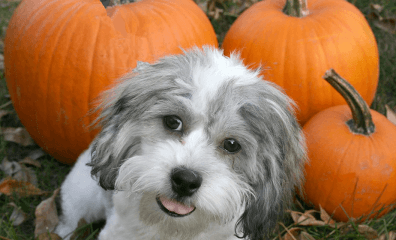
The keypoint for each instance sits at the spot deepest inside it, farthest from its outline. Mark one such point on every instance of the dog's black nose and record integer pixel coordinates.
(185, 181)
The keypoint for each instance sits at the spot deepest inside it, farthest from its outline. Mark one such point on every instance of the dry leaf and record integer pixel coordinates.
(17, 135)
(4, 238)
(203, 4)
(48, 236)
(4, 113)
(36, 154)
(391, 115)
(389, 236)
(307, 219)
(30, 161)
(17, 216)
(18, 172)
(305, 236)
(295, 215)
(387, 24)
(23, 189)
(326, 217)
(376, 7)
(366, 231)
(7, 103)
(83, 233)
(291, 234)
(46, 215)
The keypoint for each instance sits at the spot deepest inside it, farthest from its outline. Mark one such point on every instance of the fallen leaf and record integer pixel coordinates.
(9, 186)
(376, 7)
(326, 217)
(305, 236)
(4, 113)
(30, 161)
(4, 238)
(307, 219)
(6, 104)
(389, 236)
(82, 232)
(203, 4)
(367, 231)
(17, 216)
(48, 236)
(46, 215)
(295, 215)
(36, 154)
(291, 234)
(18, 171)
(391, 115)
(17, 135)
(387, 24)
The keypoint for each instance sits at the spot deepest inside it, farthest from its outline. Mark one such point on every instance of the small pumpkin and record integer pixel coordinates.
(60, 54)
(296, 47)
(352, 158)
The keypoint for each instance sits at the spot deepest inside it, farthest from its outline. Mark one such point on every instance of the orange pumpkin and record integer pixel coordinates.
(352, 158)
(294, 52)
(60, 54)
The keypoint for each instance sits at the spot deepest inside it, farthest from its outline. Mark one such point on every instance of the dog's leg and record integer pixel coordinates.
(81, 197)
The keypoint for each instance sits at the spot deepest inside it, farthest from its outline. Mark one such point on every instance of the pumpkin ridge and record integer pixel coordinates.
(33, 15)
(59, 30)
(69, 14)
(88, 114)
(340, 165)
(70, 115)
(161, 15)
(88, 117)
(314, 21)
(362, 51)
(325, 56)
(192, 18)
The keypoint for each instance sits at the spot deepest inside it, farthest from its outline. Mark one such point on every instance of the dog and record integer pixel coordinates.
(194, 146)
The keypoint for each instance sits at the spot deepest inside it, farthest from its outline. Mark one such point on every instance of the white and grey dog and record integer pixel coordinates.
(194, 146)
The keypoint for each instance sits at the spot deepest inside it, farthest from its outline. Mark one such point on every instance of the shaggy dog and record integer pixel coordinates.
(194, 146)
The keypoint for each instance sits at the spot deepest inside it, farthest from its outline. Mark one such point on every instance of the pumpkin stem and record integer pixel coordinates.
(296, 8)
(361, 122)
(119, 2)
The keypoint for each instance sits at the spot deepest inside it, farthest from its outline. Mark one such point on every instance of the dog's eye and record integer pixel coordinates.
(231, 145)
(173, 123)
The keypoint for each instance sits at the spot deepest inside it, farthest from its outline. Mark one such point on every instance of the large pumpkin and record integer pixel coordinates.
(352, 169)
(295, 51)
(60, 54)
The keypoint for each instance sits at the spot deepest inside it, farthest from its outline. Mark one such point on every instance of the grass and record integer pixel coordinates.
(52, 172)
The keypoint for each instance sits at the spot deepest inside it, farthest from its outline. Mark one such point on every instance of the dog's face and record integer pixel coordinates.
(201, 139)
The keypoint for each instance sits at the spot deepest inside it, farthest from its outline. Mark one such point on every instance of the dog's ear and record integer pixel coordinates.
(121, 111)
(261, 214)
(105, 158)
(280, 154)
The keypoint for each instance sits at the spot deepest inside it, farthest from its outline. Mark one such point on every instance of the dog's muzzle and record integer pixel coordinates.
(185, 182)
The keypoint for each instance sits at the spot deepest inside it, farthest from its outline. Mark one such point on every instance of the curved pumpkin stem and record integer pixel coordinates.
(296, 8)
(361, 122)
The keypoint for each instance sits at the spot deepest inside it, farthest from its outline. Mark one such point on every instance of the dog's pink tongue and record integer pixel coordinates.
(175, 206)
